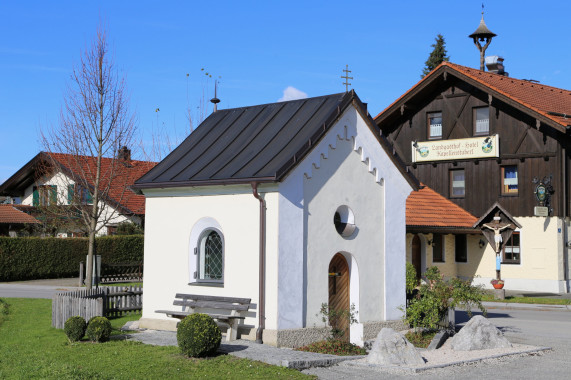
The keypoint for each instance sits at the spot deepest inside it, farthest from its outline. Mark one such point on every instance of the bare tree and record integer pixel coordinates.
(95, 123)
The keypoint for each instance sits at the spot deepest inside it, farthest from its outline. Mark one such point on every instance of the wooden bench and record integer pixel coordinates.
(191, 302)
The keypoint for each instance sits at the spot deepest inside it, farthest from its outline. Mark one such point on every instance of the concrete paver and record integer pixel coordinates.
(284, 357)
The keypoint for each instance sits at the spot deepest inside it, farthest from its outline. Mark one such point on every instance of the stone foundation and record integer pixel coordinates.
(372, 329)
(290, 338)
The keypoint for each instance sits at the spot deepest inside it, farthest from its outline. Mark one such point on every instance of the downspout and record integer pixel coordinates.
(565, 213)
(262, 259)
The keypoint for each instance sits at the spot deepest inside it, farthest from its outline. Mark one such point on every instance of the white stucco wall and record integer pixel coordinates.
(347, 167)
(541, 268)
(170, 217)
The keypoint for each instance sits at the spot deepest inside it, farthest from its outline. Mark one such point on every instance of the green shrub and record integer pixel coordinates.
(336, 319)
(437, 295)
(75, 328)
(411, 280)
(198, 335)
(32, 258)
(99, 329)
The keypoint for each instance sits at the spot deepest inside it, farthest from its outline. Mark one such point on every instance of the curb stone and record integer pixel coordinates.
(360, 363)
(526, 306)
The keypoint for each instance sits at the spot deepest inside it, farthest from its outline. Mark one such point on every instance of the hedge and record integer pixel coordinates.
(30, 258)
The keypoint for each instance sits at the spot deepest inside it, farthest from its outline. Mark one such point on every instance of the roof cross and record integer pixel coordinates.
(346, 77)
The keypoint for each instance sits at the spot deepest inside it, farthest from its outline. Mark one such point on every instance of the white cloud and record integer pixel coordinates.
(292, 93)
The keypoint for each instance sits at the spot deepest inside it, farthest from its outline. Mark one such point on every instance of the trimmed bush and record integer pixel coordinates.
(198, 336)
(99, 329)
(33, 258)
(75, 328)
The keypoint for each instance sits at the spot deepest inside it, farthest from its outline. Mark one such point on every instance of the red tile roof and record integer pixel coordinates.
(120, 193)
(10, 215)
(427, 208)
(535, 96)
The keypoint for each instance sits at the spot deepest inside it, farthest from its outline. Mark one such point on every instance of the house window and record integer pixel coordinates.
(509, 180)
(44, 195)
(461, 251)
(434, 125)
(437, 249)
(481, 121)
(210, 256)
(77, 194)
(512, 249)
(457, 183)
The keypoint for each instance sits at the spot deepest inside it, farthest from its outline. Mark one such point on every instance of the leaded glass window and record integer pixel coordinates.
(211, 257)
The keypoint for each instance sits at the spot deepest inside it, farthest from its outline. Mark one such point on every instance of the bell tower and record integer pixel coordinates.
(482, 34)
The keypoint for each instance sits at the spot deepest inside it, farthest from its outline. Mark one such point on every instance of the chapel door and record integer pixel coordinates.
(416, 255)
(339, 292)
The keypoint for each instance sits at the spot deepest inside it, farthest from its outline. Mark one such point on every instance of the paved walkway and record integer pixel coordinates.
(284, 357)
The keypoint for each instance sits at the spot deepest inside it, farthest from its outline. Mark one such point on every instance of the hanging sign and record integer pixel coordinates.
(458, 149)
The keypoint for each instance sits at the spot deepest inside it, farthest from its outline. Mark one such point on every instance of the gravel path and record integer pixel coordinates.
(245, 349)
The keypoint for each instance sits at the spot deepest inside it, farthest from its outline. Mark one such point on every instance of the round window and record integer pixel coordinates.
(344, 221)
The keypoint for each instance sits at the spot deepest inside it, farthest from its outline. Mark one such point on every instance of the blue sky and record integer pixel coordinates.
(258, 49)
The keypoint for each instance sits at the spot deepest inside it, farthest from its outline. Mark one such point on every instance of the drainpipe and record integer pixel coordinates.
(262, 277)
(564, 227)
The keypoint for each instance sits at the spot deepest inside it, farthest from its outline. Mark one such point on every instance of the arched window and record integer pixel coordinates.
(210, 256)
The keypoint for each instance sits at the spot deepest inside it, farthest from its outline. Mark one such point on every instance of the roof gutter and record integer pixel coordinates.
(262, 254)
(138, 186)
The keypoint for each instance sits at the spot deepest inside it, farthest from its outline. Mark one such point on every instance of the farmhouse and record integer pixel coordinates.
(50, 192)
(292, 204)
(477, 138)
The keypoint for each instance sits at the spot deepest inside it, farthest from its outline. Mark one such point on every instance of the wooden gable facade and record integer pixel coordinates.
(528, 118)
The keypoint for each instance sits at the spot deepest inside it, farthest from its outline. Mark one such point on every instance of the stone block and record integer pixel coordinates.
(392, 348)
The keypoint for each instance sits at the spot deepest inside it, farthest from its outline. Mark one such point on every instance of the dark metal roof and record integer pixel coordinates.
(250, 144)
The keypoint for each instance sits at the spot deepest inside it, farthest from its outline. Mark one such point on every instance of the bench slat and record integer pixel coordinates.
(185, 313)
(211, 305)
(198, 297)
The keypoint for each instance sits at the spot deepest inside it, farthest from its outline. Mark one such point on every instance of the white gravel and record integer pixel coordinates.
(445, 356)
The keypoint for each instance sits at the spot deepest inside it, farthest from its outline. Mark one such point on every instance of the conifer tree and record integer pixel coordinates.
(437, 56)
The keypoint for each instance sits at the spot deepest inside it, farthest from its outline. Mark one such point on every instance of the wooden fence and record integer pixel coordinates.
(108, 301)
(113, 273)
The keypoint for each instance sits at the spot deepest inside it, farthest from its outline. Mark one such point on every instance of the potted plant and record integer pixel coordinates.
(497, 284)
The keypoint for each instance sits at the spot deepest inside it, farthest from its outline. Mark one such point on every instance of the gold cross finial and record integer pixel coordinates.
(346, 77)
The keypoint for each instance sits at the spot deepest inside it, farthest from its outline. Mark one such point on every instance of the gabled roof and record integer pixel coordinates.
(260, 143)
(427, 209)
(545, 103)
(119, 196)
(11, 215)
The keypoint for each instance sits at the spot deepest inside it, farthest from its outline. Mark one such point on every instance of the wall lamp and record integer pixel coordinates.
(429, 243)
(481, 243)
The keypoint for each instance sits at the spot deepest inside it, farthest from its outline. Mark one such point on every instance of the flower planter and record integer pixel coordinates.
(498, 286)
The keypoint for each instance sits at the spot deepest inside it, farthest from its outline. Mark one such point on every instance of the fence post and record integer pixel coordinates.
(81, 273)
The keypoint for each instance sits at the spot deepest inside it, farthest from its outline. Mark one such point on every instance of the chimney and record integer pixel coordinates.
(495, 64)
(124, 154)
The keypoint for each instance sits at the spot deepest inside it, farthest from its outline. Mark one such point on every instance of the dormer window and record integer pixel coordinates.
(435, 125)
(481, 121)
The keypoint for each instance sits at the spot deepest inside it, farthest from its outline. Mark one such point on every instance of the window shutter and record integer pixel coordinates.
(53, 195)
(70, 193)
(36, 197)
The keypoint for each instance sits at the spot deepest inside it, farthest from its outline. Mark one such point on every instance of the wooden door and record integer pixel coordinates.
(416, 255)
(339, 291)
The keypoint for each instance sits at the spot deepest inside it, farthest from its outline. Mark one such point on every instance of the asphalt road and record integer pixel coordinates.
(37, 288)
(534, 327)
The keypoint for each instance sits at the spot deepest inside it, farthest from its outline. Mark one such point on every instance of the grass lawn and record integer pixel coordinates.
(31, 349)
(538, 300)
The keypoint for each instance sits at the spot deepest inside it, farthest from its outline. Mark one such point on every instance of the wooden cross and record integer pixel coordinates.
(346, 77)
